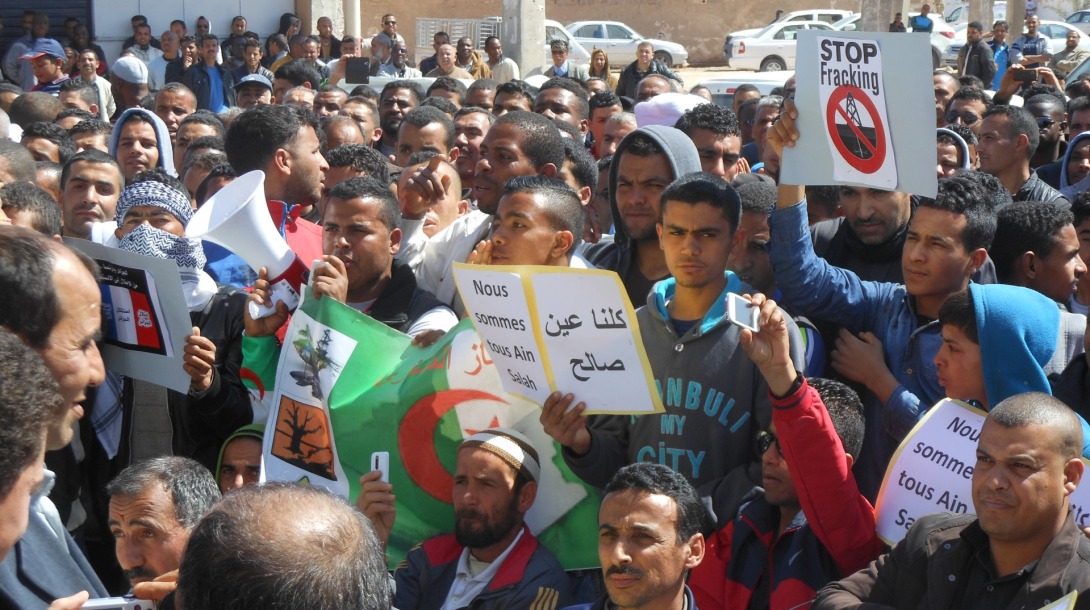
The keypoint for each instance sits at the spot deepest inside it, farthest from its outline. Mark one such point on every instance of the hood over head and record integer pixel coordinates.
(1017, 328)
(162, 138)
(679, 150)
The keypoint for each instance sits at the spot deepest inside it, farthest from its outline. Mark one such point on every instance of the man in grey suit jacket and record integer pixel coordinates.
(61, 325)
(562, 67)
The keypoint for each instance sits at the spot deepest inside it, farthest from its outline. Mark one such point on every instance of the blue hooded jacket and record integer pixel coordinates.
(1017, 329)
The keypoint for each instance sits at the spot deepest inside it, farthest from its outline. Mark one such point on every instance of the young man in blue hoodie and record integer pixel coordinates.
(715, 397)
(996, 342)
(898, 333)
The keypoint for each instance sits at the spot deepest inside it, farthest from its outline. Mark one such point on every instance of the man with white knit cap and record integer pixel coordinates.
(492, 560)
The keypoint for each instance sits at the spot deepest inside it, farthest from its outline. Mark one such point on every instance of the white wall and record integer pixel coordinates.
(112, 24)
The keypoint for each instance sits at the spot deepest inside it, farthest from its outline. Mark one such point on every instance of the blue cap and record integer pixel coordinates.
(253, 78)
(45, 46)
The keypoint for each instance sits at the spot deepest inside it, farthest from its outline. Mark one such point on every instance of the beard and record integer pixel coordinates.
(475, 530)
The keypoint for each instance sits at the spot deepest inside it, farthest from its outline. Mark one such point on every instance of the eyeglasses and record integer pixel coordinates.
(967, 118)
(765, 440)
(1044, 122)
(389, 23)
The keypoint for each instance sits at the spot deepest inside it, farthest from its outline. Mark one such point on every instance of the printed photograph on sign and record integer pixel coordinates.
(302, 438)
(315, 359)
(129, 303)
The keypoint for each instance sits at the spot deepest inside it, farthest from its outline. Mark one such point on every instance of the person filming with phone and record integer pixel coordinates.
(807, 505)
(491, 561)
(715, 397)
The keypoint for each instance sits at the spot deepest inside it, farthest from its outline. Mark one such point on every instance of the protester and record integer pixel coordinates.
(492, 560)
(881, 356)
(649, 503)
(154, 506)
(1020, 520)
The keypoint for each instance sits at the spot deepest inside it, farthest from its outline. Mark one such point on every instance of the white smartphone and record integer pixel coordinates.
(118, 603)
(380, 461)
(743, 313)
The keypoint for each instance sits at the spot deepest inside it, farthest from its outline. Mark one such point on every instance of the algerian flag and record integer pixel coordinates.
(379, 393)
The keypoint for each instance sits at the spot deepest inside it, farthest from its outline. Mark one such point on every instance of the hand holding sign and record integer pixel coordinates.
(567, 425)
(783, 132)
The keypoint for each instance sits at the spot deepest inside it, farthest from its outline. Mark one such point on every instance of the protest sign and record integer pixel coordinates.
(416, 404)
(932, 472)
(865, 103)
(146, 320)
(544, 340)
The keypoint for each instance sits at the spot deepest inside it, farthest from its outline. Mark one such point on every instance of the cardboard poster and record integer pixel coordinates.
(543, 340)
(866, 106)
(146, 319)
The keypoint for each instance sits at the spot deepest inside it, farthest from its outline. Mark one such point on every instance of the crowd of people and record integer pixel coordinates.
(754, 489)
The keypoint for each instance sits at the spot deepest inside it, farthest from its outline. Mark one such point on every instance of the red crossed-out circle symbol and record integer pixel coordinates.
(877, 148)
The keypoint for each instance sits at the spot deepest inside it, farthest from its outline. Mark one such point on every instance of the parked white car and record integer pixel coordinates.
(957, 13)
(723, 87)
(620, 41)
(770, 49)
(1055, 31)
(1081, 20)
(827, 15)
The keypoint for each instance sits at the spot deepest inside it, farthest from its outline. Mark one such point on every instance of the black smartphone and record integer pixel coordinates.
(357, 71)
(1024, 75)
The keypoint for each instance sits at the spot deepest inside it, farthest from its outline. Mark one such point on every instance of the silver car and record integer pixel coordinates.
(620, 41)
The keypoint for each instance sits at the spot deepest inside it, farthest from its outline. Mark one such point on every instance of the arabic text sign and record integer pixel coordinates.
(145, 315)
(932, 472)
(589, 346)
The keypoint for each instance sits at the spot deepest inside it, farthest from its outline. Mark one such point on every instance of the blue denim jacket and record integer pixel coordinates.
(813, 287)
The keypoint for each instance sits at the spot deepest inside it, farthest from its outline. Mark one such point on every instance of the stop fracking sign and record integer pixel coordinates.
(866, 107)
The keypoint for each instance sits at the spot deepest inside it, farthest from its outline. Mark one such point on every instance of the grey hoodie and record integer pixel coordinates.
(162, 139)
(617, 255)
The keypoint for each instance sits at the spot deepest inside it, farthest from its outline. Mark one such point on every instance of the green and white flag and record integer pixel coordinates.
(366, 389)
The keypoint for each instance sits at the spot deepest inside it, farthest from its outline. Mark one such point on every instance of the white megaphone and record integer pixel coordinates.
(238, 219)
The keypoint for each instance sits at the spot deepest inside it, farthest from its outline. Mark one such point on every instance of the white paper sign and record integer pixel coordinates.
(853, 99)
(146, 319)
(932, 472)
(497, 304)
(299, 443)
(572, 330)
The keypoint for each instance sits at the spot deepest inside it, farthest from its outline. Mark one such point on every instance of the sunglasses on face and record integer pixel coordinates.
(765, 439)
(1044, 122)
(967, 118)
(389, 23)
